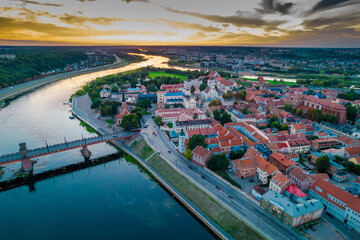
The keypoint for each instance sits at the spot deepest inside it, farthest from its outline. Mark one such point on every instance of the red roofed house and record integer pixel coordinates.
(297, 128)
(301, 179)
(282, 162)
(200, 156)
(293, 192)
(279, 183)
(124, 111)
(341, 204)
(246, 166)
(352, 152)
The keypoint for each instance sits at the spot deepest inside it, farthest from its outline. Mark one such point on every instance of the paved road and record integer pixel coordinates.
(340, 227)
(240, 205)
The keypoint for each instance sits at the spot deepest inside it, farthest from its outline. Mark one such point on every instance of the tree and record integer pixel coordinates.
(167, 106)
(284, 127)
(159, 121)
(188, 154)
(230, 95)
(215, 103)
(329, 117)
(115, 89)
(197, 140)
(288, 107)
(203, 86)
(273, 118)
(129, 122)
(217, 114)
(218, 162)
(339, 159)
(350, 166)
(299, 112)
(235, 103)
(276, 125)
(196, 116)
(192, 89)
(351, 113)
(323, 163)
(314, 137)
(236, 155)
(144, 104)
(225, 118)
(138, 111)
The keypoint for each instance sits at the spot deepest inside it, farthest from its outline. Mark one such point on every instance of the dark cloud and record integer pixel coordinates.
(40, 3)
(329, 4)
(333, 22)
(271, 6)
(239, 20)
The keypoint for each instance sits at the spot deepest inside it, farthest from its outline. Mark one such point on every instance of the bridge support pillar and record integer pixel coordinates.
(86, 153)
(26, 165)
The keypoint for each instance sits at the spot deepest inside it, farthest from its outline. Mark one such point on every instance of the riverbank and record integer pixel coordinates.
(32, 85)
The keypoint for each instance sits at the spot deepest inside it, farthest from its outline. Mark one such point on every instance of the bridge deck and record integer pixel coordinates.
(37, 152)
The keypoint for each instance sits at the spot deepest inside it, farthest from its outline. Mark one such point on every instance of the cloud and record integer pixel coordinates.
(323, 5)
(40, 3)
(271, 6)
(239, 20)
(334, 22)
(184, 25)
(80, 20)
(129, 1)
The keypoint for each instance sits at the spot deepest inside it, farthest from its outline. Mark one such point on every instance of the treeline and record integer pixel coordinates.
(130, 58)
(28, 66)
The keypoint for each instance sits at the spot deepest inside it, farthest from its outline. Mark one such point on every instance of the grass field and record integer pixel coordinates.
(153, 75)
(224, 218)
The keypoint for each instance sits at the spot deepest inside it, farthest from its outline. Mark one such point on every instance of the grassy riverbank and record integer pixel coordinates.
(223, 217)
(23, 88)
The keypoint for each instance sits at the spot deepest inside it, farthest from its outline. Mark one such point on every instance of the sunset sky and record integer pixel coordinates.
(293, 23)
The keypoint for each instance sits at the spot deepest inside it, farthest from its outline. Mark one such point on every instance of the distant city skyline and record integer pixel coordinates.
(273, 23)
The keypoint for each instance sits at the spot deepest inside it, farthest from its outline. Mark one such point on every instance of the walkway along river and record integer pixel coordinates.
(110, 201)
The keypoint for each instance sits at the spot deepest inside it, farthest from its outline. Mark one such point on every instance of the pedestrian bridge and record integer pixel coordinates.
(25, 154)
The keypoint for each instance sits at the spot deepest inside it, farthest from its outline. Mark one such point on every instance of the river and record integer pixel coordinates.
(115, 200)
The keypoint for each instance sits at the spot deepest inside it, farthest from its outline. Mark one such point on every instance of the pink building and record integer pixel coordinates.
(301, 179)
(200, 156)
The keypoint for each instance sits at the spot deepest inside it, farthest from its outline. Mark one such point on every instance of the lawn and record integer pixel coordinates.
(110, 121)
(223, 217)
(153, 75)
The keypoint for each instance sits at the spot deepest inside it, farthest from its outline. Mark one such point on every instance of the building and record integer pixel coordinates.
(258, 192)
(301, 179)
(124, 111)
(294, 193)
(355, 190)
(200, 156)
(180, 114)
(105, 93)
(355, 160)
(341, 204)
(247, 165)
(283, 163)
(300, 145)
(279, 183)
(297, 128)
(293, 214)
(192, 124)
(352, 152)
(319, 144)
(265, 170)
(182, 146)
(341, 176)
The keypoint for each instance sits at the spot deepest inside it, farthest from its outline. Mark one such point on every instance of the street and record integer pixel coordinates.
(252, 214)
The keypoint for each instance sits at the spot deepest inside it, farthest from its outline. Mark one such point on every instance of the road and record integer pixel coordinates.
(254, 215)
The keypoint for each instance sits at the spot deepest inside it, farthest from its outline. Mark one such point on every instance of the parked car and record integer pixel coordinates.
(348, 227)
(169, 151)
(306, 230)
(230, 196)
(158, 152)
(219, 188)
(329, 214)
(202, 176)
(154, 133)
(312, 228)
(190, 167)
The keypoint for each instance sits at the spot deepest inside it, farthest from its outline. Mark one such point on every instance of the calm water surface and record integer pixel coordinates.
(111, 201)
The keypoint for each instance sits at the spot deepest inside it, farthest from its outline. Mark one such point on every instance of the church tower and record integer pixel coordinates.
(182, 147)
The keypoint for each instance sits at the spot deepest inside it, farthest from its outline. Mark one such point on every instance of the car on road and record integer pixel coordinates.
(202, 176)
(306, 230)
(329, 214)
(217, 187)
(158, 152)
(169, 151)
(348, 227)
(230, 196)
(190, 167)
(312, 228)
(154, 133)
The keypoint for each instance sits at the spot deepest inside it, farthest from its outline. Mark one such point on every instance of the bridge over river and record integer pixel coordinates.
(24, 155)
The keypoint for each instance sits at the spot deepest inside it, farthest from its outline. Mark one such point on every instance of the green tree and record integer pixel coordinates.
(225, 118)
(314, 137)
(284, 127)
(167, 106)
(196, 116)
(192, 89)
(80, 92)
(230, 95)
(218, 162)
(130, 121)
(288, 107)
(159, 121)
(195, 140)
(188, 154)
(275, 124)
(236, 155)
(215, 103)
(144, 104)
(115, 89)
(351, 113)
(217, 114)
(323, 163)
(350, 166)
(273, 118)
(203, 86)
(299, 112)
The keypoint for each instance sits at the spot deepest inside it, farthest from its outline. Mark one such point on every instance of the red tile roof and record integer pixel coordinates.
(292, 189)
(353, 151)
(201, 152)
(298, 173)
(280, 180)
(324, 102)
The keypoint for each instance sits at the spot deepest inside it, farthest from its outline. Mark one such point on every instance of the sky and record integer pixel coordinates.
(277, 23)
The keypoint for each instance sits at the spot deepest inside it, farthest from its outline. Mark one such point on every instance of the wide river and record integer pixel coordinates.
(111, 201)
